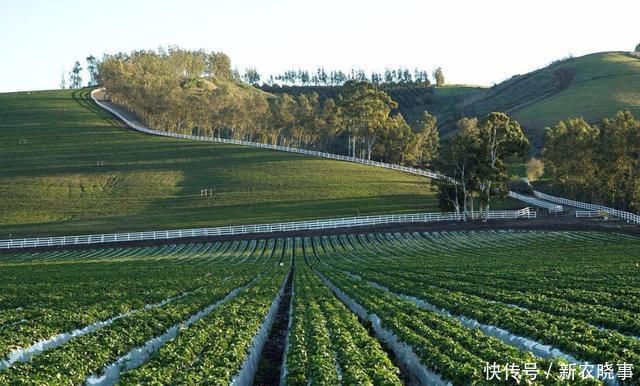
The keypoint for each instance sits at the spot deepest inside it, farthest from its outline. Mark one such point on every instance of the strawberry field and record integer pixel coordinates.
(456, 308)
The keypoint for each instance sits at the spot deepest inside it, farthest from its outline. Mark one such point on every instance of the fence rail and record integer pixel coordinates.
(552, 208)
(345, 222)
(629, 217)
(590, 214)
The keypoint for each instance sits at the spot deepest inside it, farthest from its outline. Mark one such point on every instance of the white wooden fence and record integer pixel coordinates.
(552, 208)
(345, 222)
(629, 217)
(591, 214)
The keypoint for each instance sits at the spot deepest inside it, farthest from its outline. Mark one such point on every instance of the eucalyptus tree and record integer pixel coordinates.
(92, 68)
(428, 139)
(75, 79)
(251, 75)
(438, 75)
(219, 65)
(500, 137)
(331, 123)
(459, 159)
(366, 111)
(570, 156)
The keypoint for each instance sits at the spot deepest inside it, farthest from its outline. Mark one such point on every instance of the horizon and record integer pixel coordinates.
(368, 40)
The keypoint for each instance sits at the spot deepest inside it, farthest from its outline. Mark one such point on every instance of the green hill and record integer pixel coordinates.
(52, 185)
(591, 86)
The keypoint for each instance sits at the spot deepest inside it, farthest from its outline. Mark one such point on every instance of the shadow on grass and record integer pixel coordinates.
(164, 214)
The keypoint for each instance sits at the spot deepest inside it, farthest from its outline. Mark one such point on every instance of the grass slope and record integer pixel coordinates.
(591, 86)
(52, 185)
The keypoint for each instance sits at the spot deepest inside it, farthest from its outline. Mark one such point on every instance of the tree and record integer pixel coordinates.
(304, 118)
(535, 169)
(219, 64)
(619, 161)
(331, 122)
(428, 139)
(366, 110)
(438, 75)
(251, 75)
(570, 156)
(637, 48)
(459, 160)
(75, 80)
(500, 136)
(92, 67)
(397, 143)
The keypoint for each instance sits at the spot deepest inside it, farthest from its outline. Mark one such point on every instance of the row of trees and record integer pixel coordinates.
(474, 158)
(596, 163)
(401, 77)
(197, 92)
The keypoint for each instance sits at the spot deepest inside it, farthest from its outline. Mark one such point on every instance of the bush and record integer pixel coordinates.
(535, 169)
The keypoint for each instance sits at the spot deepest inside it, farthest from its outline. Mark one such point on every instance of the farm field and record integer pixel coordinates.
(361, 306)
(51, 184)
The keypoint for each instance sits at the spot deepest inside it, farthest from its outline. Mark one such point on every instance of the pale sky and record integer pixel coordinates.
(475, 42)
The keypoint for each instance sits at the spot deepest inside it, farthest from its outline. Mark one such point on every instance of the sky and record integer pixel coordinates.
(475, 42)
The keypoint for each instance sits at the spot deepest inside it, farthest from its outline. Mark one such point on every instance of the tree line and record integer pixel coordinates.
(197, 92)
(598, 163)
(400, 77)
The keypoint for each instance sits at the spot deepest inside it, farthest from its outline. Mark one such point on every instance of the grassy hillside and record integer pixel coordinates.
(52, 185)
(591, 86)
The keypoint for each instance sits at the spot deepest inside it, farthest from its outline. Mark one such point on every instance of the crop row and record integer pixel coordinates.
(327, 343)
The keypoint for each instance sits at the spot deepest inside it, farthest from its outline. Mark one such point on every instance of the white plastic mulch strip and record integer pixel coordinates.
(403, 352)
(283, 368)
(139, 355)
(522, 343)
(25, 354)
(250, 365)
